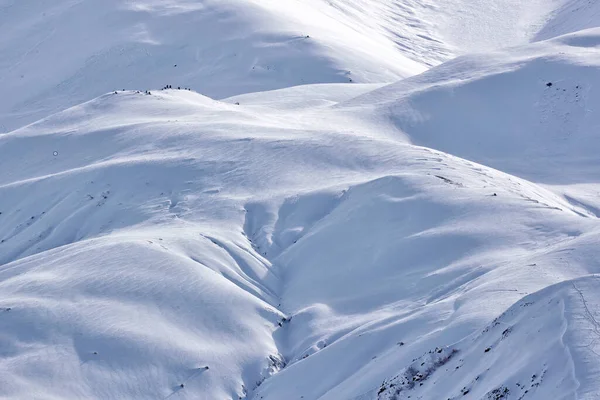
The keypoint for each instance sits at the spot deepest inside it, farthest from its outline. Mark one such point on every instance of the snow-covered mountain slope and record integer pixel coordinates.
(527, 110)
(570, 16)
(302, 243)
(56, 54)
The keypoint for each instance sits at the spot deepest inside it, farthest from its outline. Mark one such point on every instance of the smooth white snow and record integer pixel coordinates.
(56, 54)
(433, 238)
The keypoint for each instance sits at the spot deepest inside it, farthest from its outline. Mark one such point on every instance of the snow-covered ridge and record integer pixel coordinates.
(342, 237)
(56, 54)
(302, 243)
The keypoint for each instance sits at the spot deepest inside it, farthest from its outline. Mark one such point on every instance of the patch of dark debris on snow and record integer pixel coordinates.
(529, 387)
(498, 394)
(448, 181)
(275, 363)
(415, 374)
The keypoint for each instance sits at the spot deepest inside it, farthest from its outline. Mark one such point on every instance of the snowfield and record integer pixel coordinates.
(428, 230)
(55, 54)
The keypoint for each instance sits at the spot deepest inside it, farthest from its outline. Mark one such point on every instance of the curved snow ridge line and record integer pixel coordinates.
(570, 16)
(162, 156)
(546, 87)
(246, 271)
(585, 209)
(502, 181)
(182, 103)
(274, 229)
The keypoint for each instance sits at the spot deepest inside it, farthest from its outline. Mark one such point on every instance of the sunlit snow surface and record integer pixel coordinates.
(433, 238)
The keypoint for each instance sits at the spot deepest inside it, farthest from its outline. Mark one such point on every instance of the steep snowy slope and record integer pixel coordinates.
(302, 244)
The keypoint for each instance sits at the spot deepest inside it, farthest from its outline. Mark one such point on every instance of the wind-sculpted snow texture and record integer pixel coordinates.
(407, 235)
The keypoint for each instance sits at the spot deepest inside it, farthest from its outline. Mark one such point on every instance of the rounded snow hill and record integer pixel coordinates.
(61, 53)
(56, 54)
(528, 111)
(298, 243)
(301, 242)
